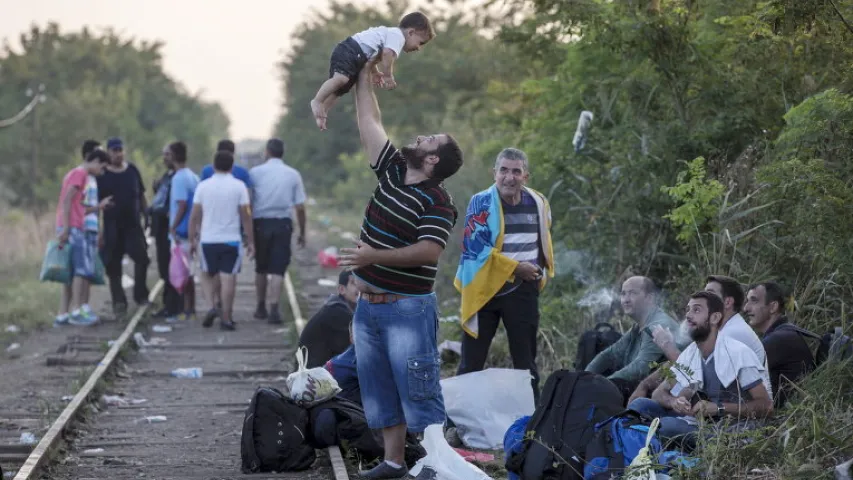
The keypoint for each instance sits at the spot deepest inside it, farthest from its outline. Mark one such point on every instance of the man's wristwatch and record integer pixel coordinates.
(721, 410)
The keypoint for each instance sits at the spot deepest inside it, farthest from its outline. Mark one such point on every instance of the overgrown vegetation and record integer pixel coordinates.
(722, 143)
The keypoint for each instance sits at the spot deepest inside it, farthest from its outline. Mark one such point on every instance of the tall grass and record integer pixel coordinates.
(25, 302)
(23, 236)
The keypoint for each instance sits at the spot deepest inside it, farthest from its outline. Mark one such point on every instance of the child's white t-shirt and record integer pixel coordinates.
(374, 39)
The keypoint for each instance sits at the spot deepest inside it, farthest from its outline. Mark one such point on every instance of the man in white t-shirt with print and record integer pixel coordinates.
(220, 206)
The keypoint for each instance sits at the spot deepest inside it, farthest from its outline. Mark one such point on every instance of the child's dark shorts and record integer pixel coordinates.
(347, 59)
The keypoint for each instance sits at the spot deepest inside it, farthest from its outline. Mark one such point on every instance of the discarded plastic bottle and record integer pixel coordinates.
(194, 372)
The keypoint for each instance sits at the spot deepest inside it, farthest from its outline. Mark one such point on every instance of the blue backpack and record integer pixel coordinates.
(514, 441)
(616, 442)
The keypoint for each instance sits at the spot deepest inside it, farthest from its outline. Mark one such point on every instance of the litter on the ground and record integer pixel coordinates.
(325, 282)
(119, 401)
(349, 236)
(161, 329)
(94, 450)
(140, 340)
(441, 461)
(154, 342)
(13, 329)
(194, 372)
(13, 346)
(328, 257)
(154, 419)
(844, 471)
(279, 330)
(451, 345)
(28, 438)
(475, 456)
(449, 319)
(67, 398)
(110, 343)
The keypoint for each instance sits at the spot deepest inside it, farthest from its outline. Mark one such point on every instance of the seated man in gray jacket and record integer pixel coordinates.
(629, 360)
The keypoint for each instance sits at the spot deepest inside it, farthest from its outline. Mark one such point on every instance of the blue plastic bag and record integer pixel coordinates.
(56, 266)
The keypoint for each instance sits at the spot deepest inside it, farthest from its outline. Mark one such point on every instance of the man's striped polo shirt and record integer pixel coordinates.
(400, 215)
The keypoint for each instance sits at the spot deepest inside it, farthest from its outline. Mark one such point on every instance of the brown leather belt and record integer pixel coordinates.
(381, 297)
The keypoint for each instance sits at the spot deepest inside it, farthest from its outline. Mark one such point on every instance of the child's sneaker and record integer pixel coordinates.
(60, 320)
(78, 318)
(89, 314)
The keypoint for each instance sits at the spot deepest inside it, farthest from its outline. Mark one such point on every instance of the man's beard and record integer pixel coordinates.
(701, 333)
(414, 157)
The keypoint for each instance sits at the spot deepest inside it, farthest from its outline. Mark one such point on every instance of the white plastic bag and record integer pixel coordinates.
(442, 462)
(642, 467)
(484, 404)
(308, 387)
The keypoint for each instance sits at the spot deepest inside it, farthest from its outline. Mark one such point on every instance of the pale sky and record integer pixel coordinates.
(226, 48)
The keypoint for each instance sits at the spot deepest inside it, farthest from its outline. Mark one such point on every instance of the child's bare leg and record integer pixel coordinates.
(327, 90)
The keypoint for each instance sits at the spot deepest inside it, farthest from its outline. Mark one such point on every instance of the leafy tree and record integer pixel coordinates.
(449, 78)
(97, 85)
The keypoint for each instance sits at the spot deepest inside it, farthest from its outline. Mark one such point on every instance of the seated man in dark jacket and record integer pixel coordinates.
(789, 357)
(327, 333)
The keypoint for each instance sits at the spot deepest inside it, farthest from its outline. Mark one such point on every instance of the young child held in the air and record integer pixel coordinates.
(350, 56)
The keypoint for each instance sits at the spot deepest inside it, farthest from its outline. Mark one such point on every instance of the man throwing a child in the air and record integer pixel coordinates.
(406, 226)
(375, 45)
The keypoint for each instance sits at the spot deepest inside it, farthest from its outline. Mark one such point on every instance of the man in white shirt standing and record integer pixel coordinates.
(220, 206)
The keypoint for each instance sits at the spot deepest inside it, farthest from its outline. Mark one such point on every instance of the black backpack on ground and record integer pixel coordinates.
(593, 342)
(275, 434)
(564, 422)
(352, 428)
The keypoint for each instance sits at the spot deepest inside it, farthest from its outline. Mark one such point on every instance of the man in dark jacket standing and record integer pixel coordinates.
(123, 232)
(159, 212)
(327, 333)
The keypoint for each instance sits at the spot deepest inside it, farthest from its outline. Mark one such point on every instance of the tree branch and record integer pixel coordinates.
(834, 7)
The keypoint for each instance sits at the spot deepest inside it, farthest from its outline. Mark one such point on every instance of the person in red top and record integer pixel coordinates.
(77, 229)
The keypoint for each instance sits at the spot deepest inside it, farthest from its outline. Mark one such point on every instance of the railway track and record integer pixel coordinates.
(155, 425)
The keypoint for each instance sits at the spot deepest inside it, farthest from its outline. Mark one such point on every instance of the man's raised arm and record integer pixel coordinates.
(373, 136)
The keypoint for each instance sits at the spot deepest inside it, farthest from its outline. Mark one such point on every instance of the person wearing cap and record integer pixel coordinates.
(278, 190)
(123, 233)
(327, 334)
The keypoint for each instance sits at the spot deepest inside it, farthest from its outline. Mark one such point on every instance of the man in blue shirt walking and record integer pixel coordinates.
(239, 172)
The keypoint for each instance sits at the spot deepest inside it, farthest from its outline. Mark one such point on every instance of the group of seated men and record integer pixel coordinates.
(732, 355)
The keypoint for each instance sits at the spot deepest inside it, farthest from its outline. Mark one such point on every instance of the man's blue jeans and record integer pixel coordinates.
(672, 427)
(398, 362)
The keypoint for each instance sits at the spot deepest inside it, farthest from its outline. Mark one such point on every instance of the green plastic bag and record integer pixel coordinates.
(98, 277)
(56, 266)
